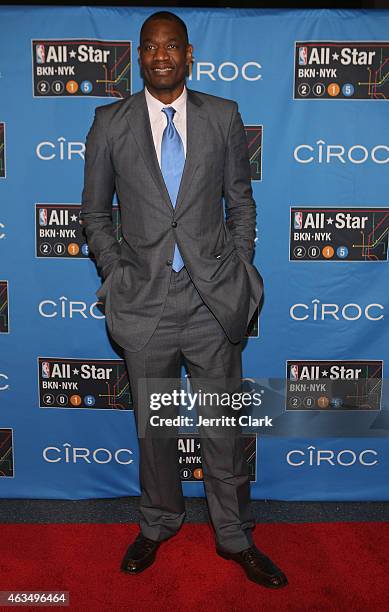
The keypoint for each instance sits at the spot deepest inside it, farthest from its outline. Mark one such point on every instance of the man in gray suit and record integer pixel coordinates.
(180, 288)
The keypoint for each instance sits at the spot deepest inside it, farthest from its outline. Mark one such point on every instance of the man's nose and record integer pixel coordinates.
(161, 53)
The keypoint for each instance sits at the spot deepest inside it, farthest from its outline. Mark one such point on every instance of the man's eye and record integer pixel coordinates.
(173, 45)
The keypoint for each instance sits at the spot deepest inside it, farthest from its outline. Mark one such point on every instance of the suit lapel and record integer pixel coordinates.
(139, 123)
(196, 121)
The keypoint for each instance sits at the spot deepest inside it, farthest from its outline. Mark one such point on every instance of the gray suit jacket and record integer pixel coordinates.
(217, 249)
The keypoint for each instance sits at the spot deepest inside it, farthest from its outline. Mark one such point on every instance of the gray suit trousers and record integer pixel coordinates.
(189, 334)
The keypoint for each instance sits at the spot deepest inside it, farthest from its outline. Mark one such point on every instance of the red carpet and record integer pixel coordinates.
(330, 566)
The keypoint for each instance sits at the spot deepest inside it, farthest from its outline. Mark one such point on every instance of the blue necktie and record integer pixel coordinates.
(172, 166)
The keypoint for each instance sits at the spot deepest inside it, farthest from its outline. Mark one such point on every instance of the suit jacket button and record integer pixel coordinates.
(169, 262)
(174, 223)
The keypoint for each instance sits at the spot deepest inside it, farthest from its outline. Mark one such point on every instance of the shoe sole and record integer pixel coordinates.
(264, 583)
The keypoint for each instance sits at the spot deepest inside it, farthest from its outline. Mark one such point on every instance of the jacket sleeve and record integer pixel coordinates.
(99, 187)
(240, 208)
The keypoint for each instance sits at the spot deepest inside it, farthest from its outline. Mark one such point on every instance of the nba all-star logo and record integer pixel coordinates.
(341, 70)
(4, 307)
(76, 67)
(2, 150)
(6, 453)
(59, 232)
(83, 383)
(189, 457)
(339, 234)
(333, 385)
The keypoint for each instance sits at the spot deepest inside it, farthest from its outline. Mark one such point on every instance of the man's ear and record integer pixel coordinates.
(189, 54)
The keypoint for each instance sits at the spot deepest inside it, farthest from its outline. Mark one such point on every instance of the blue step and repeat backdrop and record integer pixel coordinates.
(313, 89)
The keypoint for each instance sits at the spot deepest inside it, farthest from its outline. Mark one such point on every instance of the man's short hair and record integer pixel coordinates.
(168, 16)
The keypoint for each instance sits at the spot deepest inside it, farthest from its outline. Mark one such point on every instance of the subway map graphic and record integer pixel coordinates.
(356, 70)
(81, 68)
(253, 326)
(6, 453)
(254, 143)
(2, 150)
(83, 383)
(117, 223)
(4, 310)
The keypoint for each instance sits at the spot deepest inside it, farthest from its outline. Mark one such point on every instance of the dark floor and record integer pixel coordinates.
(124, 510)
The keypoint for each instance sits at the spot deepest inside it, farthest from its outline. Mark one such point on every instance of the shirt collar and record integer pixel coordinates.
(155, 106)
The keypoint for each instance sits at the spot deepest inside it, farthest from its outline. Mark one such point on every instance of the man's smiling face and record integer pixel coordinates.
(163, 56)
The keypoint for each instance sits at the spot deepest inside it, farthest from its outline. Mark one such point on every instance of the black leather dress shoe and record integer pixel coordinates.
(258, 567)
(140, 555)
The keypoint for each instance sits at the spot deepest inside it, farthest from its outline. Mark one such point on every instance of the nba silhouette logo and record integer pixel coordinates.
(43, 216)
(294, 372)
(303, 56)
(45, 369)
(298, 220)
(40, 54)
